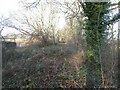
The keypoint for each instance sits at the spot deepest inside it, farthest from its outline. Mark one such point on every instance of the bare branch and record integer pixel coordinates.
(33, 4)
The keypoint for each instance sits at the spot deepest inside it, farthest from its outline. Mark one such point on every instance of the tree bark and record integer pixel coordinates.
(118, 47)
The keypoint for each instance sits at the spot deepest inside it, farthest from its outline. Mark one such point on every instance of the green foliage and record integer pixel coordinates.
(95, 33)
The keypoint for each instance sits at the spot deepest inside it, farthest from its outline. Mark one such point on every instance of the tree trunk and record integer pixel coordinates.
(94, 31)
(93, 78)
(0, 62)
(118, 53)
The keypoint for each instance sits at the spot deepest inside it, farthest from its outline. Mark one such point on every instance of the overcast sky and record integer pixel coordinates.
(8, 6)
(11, 6)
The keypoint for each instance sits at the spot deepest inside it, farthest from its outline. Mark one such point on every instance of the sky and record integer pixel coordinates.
(8, 7)
(11, 6)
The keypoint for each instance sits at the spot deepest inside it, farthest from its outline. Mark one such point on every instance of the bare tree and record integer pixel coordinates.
(3, 23)
(39, 24)
(74, 17)
(29, 5)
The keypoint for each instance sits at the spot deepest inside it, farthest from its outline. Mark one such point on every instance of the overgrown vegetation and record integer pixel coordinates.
(82, 54)
(48, 66)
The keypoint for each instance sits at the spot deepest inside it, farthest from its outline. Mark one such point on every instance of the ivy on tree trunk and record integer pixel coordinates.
(95, 31)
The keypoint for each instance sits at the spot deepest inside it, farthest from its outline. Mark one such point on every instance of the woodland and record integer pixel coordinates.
(68, 44)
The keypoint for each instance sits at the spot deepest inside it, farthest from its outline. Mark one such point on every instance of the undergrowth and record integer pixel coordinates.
(45, 67)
